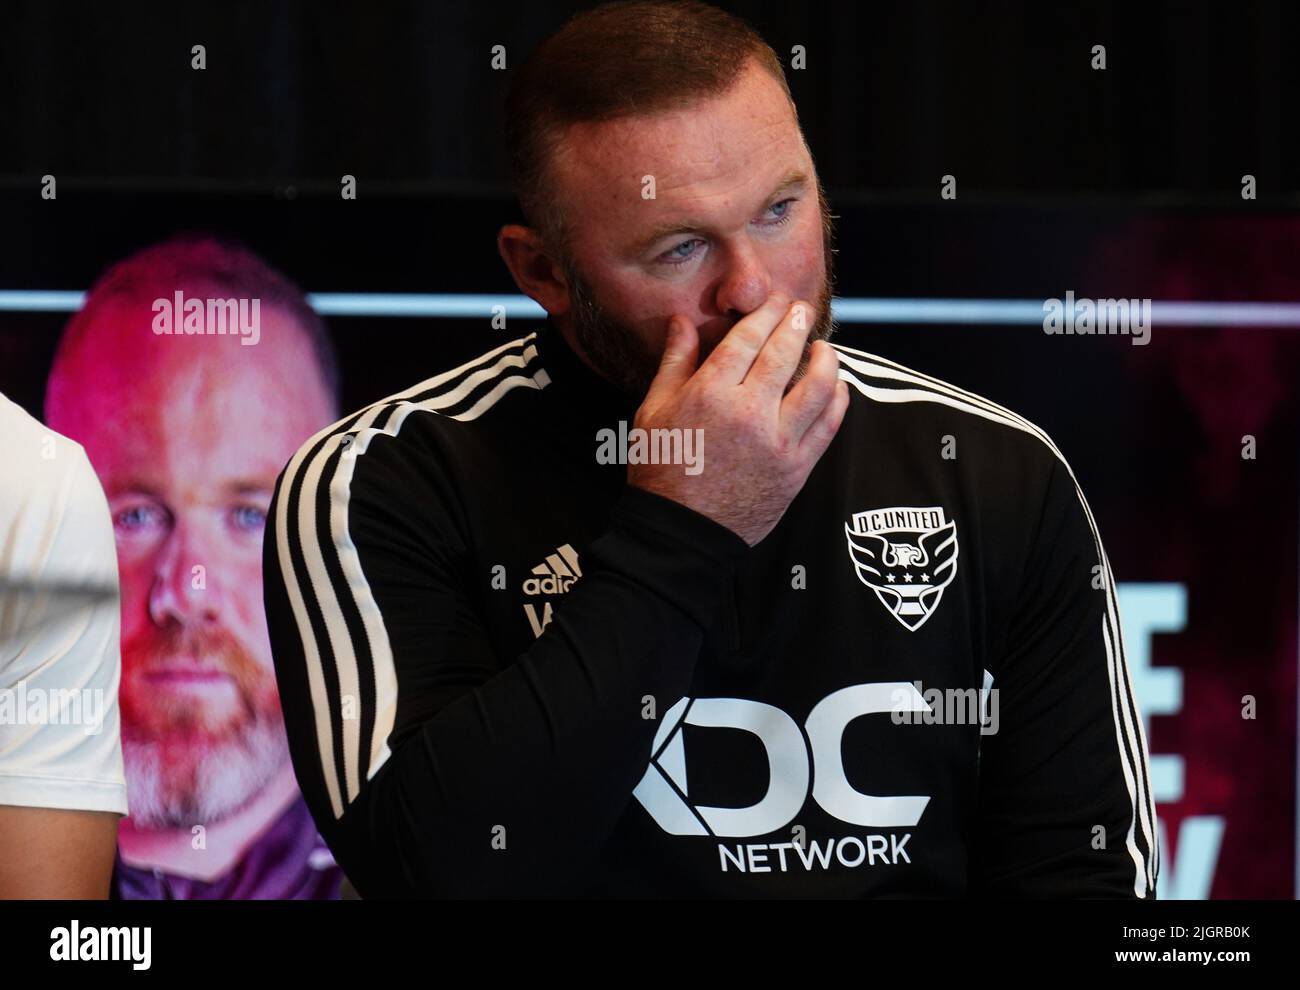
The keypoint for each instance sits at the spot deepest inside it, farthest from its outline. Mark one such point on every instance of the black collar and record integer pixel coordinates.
(575, 382)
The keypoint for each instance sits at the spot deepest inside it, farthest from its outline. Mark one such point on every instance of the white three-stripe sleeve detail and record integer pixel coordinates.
(322, 589)
(1129, 731)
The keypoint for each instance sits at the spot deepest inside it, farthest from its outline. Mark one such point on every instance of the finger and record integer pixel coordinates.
(679, 359)
(735, 353)
(811, 394)
(824, 428)
(780, 355)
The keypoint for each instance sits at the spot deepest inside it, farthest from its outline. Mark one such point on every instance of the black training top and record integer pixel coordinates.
(506, 673)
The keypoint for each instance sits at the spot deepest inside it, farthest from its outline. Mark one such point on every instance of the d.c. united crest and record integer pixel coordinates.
(907, 556)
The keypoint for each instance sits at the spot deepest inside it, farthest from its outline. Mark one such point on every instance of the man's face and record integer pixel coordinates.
(736, 214)
(188, 435)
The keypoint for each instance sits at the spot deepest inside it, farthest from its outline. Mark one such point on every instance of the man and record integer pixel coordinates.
(190, 374)
(520, 654)
(62, 790)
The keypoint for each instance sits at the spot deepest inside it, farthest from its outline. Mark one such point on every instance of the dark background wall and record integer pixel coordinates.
(894, 95)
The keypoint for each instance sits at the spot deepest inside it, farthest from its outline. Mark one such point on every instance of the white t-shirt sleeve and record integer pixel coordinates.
(60, 655)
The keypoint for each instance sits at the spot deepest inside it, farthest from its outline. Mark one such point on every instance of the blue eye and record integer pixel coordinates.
(685, 251)
(675, 256)
(785, 207)
(248, 517)
(138, 517)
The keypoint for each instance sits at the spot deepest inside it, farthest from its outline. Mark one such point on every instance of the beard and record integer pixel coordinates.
(621, 355)
(191, 759)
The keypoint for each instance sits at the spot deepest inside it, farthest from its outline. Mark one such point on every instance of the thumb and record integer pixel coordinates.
(680, 357)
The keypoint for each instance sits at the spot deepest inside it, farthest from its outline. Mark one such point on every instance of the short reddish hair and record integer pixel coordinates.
(618, 60)
(191, 259)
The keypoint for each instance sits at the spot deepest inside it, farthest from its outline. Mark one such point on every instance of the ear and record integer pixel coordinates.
(538, 275)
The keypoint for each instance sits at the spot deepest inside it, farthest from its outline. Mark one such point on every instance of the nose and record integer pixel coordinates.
(746, 282)
(185, 588)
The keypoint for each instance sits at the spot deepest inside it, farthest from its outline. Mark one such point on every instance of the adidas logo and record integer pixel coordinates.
(556, 574)
(553, 576)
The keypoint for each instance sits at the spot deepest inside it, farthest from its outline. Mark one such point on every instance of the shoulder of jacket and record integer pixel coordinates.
(879, 379)
(466, 392)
